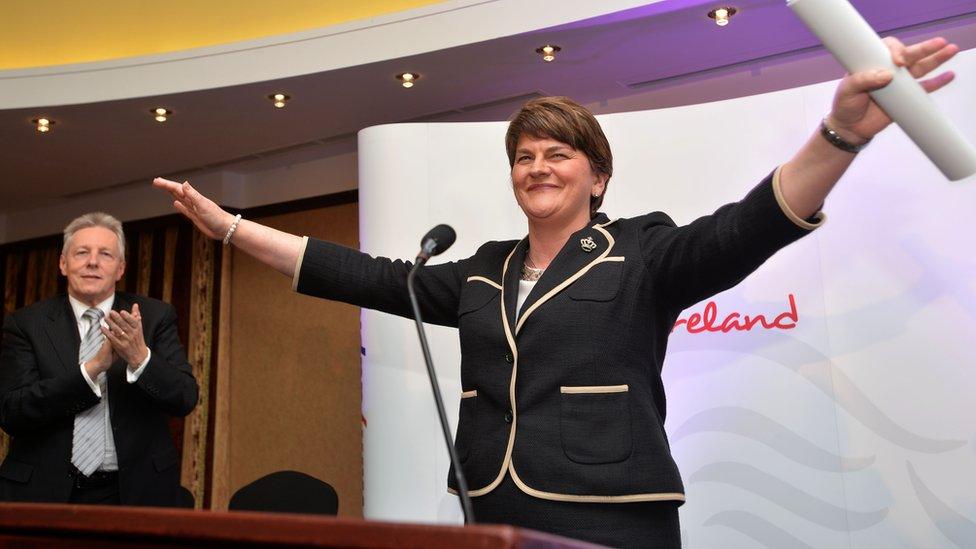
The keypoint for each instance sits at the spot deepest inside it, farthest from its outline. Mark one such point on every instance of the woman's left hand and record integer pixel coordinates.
(856, 117)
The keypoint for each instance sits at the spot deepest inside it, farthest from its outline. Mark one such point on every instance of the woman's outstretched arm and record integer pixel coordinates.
(269, 246)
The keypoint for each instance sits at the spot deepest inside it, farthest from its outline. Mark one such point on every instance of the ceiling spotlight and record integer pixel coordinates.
(407, 79)
(548, 52)
(161, 114)
(279, 100)
(42, 125)
(722, 16)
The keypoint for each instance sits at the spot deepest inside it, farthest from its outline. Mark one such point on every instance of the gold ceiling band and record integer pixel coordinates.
(58, 32)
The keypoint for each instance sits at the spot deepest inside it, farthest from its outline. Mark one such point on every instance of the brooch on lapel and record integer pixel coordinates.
(587, 244)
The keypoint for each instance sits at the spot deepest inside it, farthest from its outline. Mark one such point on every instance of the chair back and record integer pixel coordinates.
(187, 501)
(286, 492)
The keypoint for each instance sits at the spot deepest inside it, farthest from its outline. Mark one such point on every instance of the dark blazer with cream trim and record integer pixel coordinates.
(42, 389)
(567, 396)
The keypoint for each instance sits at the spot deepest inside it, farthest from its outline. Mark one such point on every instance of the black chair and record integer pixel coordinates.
(286, 492)
(187, 501)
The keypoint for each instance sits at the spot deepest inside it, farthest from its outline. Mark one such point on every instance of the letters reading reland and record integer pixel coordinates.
(708, 320)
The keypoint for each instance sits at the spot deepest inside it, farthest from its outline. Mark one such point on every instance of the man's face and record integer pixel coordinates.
(93, 265)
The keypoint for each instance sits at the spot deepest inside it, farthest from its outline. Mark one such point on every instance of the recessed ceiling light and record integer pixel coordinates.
(42, 125)
(161, 114)
(407, 79)
(279, 100)
(722, 15)
(548, 52)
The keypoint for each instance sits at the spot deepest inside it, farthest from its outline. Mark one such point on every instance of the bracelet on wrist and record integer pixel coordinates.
(836, 140)
(231, 229)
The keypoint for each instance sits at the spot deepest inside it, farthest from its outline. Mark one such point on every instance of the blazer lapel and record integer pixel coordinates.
(583, 248)
(62, 330)
(512, 273)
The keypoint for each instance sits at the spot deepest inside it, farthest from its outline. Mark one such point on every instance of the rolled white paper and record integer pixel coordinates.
(854, 43)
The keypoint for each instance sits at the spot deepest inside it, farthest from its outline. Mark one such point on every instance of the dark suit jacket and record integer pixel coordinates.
(42, 389)
(567, 396)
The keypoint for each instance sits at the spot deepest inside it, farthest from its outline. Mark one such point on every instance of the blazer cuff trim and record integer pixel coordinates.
(298, 265)
(810, 223)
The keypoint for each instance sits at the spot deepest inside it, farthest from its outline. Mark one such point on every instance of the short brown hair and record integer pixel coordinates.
(564, 120)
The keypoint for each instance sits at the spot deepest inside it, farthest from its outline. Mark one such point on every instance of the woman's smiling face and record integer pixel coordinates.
(553, 181)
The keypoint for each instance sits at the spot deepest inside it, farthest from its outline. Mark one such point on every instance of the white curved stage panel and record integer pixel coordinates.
(854, 427)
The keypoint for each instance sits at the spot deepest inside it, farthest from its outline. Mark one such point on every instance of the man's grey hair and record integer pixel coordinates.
(94, 219)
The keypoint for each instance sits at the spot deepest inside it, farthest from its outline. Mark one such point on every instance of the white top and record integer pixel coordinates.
(525, 286)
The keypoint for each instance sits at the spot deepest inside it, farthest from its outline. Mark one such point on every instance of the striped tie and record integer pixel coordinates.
(88, 448)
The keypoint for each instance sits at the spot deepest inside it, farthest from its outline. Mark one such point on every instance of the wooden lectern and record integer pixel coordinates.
(75, 526)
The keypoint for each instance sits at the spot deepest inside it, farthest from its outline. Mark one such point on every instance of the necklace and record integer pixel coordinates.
(529, 273)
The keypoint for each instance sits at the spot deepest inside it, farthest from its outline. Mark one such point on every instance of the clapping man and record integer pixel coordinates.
(88, 381)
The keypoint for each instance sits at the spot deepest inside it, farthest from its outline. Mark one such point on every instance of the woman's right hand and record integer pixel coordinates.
(210, 218)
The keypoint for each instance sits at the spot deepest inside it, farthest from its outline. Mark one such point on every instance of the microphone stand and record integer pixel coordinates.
(452, 452)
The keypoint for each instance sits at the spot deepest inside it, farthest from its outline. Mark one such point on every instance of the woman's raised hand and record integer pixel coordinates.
(856, 117)
(210, 218)
(278, 249)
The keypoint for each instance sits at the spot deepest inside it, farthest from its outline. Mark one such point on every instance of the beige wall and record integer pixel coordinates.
(288, 381)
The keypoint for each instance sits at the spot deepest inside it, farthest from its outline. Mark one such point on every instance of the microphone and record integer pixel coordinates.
(437, 241)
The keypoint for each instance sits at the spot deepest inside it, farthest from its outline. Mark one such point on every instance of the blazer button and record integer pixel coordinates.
(509, 358)
(508, 416)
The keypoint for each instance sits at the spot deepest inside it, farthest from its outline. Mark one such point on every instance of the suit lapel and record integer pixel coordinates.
(583, 248)
(62, 330)
(570, 259)
(512, 273)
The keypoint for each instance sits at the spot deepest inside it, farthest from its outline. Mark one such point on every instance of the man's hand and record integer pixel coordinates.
(102, 360)
(125, 334)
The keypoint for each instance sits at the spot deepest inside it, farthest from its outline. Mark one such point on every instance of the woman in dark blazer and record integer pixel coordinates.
(563, 333)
